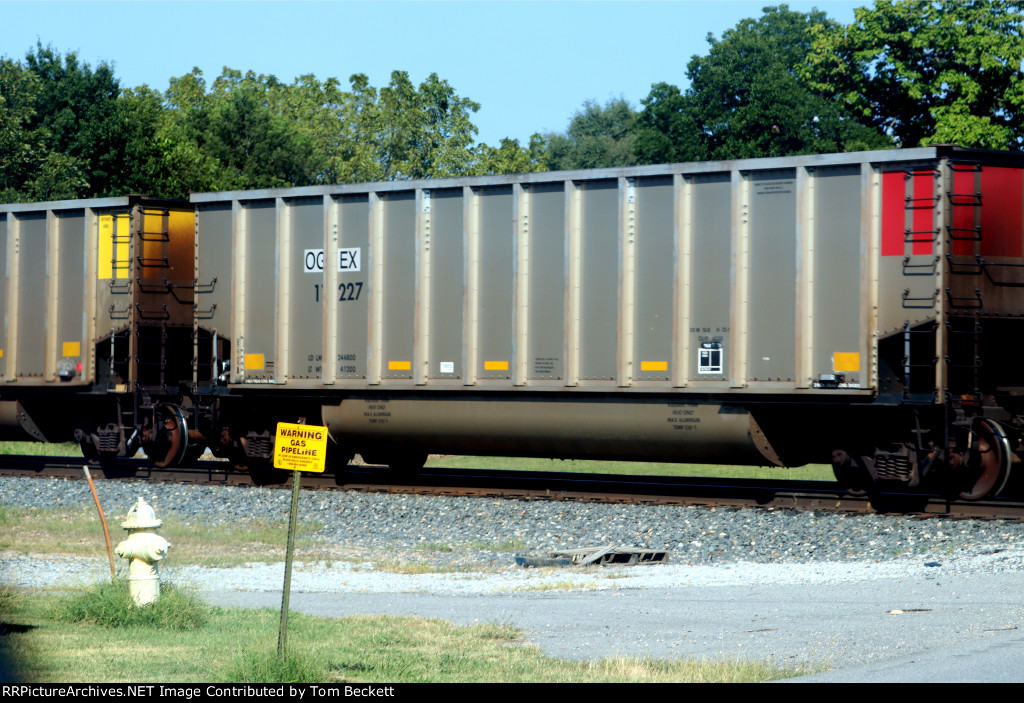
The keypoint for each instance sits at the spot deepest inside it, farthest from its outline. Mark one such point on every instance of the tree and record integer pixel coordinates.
(59, 177)
(67, 131)
(138, 116)
(597, 137)
(401, 132)
(446, 132)
(75, 117)
(245, 132)
(666, 130)
(929, 72)
(249, 134)
(18, 144)
(510, 157)
(319, 110)
(748, 99)
(185, 164)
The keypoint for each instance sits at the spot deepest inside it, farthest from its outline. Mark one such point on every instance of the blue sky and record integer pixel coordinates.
(530, 64)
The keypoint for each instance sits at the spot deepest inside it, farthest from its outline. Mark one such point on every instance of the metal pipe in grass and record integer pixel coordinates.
(103, 520)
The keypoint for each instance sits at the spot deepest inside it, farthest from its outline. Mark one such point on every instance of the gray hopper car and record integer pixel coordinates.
(854, 308)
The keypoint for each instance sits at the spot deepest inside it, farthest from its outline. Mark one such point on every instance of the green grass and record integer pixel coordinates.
(110, 605)
(41, 449)
(559, 585)
(505, 545)
(402, 566)
(811, 472)
(435, 547)
(239, 645)
(259, 666)
(77, 531)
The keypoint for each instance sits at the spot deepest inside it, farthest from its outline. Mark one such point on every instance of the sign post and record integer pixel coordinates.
(299, 447)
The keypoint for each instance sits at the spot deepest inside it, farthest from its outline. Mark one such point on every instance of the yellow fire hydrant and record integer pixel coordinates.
(144, 548)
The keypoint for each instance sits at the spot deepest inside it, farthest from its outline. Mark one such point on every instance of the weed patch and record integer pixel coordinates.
(398, 566)
(560, 585)
(435, 547)
(506, 545)
(110, 605)
(262, 667)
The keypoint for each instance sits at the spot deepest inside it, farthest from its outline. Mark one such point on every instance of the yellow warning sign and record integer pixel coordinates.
(300, 447)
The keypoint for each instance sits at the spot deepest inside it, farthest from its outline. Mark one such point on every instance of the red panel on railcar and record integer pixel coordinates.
(1002, 211)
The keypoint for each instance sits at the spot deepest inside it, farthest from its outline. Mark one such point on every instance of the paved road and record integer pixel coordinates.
(940, 629)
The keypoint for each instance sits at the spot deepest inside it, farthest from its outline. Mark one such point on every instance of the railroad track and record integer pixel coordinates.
(544, 485)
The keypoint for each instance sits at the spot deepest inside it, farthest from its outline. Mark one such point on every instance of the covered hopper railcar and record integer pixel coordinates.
(855, 308)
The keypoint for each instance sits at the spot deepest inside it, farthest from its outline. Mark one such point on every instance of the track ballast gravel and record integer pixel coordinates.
(473, 541)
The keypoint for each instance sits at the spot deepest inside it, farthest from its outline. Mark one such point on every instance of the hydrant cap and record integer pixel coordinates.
(141, 516)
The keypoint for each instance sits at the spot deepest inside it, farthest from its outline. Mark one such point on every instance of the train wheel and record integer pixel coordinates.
(988, 464)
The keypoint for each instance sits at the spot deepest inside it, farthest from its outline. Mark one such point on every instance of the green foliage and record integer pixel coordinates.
(138, 115)
(929, 72)
(598, 137)
(183, 163)
(58, 131)
(252, 131)
(666, 130)
(250, 136)
(18, 145)
(238, 135)
(110, 605)
(68, 131)
(58, 177)
(510, 157)
(75, 120)
(748, 99)
(401, 132)
(320, 110)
